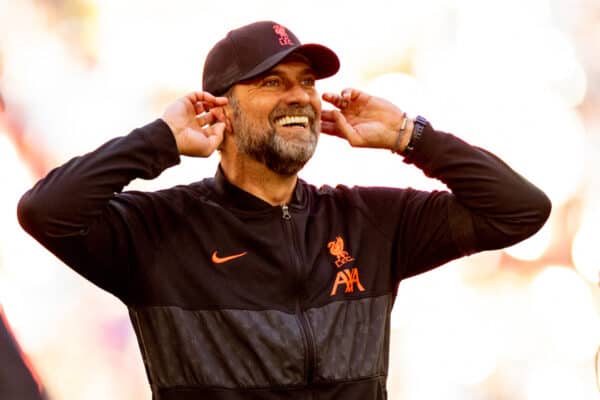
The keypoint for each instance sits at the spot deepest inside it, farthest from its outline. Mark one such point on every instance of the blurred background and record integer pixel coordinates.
(519, 77)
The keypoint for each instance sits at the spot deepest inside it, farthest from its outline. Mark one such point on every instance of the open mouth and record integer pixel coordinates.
(292, 120)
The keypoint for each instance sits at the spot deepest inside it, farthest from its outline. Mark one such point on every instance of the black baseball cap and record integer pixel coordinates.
(255, 48)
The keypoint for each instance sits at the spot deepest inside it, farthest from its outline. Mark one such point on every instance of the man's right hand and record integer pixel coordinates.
(197, 122)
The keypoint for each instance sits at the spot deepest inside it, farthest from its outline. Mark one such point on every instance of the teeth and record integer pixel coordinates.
(292, 119)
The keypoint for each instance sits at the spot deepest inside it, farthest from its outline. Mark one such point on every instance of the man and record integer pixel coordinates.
(254, 284)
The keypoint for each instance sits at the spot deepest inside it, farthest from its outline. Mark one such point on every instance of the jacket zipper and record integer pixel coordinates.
(300, 315)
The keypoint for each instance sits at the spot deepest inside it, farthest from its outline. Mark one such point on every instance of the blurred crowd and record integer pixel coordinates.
(519, 77)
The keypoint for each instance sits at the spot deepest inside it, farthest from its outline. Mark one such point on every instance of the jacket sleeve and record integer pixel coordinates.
(489, 205)
(74, 211)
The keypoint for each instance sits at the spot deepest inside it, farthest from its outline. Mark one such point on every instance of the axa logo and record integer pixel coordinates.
(284, 38)
(347, 277)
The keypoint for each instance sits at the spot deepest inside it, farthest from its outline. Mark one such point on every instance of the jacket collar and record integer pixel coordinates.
(242, 200)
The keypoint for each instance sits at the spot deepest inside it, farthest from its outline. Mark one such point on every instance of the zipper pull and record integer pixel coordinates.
(286, 212)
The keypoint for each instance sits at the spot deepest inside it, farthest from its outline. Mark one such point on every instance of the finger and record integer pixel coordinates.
(328, 122)
(327, 115)
(335, 99)
(215, 135)
(329, 128)
(350, 94)
(218, 113)
(205, 118)
(213, 101)
(204, 141)
(342, 100)
(199, 108)
(207, 99)
(336, 124)
(200, 96)
(216, 129)
(347, 130)
(346, 94)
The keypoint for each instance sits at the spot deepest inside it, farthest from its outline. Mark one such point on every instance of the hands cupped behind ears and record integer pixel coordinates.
(197, 122)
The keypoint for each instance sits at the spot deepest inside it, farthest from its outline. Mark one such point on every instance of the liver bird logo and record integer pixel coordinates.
(336, 248)
(284, 38)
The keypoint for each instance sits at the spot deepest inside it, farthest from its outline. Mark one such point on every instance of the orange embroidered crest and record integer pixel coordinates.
(348, 276)
(336, 248)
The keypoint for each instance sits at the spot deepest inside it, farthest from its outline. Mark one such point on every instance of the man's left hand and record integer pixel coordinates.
(365, 120)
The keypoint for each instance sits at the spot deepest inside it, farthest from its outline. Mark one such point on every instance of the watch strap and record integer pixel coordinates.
(419, 126)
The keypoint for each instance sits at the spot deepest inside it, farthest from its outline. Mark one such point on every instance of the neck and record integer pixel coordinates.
(255, 178)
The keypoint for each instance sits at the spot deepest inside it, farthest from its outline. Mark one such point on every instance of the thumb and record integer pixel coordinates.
(215, 135)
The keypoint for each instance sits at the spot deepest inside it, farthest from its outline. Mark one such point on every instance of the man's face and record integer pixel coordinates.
(276, 117)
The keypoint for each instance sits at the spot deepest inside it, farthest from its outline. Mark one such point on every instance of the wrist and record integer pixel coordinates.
(406, 136)
(174, 131)
(403, 135)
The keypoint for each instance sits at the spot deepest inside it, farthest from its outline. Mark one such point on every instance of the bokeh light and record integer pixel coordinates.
(562, 303)
(534, 247)
(586, 249)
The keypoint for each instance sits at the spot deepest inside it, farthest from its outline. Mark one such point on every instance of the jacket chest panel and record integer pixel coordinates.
(270, 262)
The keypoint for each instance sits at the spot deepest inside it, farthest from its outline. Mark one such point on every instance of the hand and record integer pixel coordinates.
(197, 122)
(365, 120)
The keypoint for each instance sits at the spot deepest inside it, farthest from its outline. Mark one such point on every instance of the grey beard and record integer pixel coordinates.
(283, 157)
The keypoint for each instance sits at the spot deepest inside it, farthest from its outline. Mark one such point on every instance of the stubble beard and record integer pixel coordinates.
(285, 157)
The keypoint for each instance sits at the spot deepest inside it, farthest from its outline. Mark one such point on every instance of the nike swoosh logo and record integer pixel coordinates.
(220, 260)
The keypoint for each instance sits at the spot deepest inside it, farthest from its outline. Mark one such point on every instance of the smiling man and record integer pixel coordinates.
(275, 132)
(254, 284)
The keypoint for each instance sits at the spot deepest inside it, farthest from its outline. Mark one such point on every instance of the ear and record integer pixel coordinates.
(223, 114)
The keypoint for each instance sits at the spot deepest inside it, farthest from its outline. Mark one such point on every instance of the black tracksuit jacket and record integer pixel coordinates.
(232, 298)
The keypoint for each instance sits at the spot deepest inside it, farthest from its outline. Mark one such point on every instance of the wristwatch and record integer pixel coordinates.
(419, 126)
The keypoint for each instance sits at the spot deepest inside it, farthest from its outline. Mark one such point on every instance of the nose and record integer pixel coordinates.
(297, 94)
